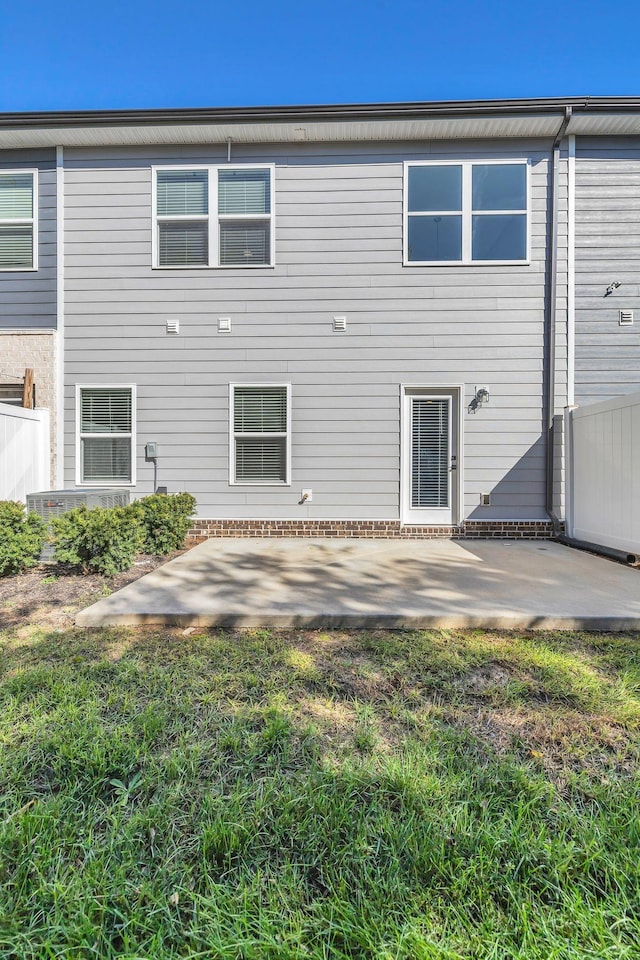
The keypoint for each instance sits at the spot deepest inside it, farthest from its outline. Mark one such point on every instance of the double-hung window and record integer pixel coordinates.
(466, 212)
(213, 216)
(18, 220)
(260, 433)
(105, 435)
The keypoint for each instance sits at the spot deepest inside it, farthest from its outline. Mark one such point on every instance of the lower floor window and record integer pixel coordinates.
(260, 433)
(105, 434)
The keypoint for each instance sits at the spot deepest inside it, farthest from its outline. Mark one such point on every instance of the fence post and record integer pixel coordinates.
(27, 391)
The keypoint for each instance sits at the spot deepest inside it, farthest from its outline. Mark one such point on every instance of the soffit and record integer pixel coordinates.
(324, 124)
(440, 128)
(602, 125)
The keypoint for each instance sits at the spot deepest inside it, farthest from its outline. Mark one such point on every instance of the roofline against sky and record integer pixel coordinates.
(322, 112)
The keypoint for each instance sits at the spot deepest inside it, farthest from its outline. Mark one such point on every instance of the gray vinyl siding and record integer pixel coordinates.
(338, 251)
(607, 249)
(28, 299)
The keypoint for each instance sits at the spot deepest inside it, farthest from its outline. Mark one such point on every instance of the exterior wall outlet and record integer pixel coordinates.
(173, 327)
(224, 324)
(306, 496)
(626, 318)
(485, 499)
(339, 323)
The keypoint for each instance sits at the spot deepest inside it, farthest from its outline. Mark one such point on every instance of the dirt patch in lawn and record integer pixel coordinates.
(49, 596)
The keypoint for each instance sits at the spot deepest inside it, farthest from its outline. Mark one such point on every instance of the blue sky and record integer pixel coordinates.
(100, 55)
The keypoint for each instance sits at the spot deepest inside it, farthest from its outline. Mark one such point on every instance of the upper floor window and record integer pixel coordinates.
(213, 216)
(18, 234)
(466, 212)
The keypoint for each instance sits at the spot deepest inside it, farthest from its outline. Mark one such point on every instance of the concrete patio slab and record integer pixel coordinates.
(289, 583)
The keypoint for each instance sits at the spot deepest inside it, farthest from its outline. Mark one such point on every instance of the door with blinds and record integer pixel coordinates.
(430, 458)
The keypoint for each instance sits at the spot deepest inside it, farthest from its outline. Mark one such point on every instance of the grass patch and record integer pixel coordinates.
(380, 795)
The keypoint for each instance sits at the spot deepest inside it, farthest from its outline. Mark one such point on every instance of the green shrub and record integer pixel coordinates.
(166, 519)
(22, 536)
(100, 540)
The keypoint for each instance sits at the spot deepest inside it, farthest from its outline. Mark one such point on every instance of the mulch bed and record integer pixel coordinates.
(50, 596)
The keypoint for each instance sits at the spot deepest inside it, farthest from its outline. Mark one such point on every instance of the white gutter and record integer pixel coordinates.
(59, 318)
(571, 270)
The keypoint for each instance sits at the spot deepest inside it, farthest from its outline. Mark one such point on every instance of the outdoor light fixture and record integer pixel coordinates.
(482, 395)
(612, 286)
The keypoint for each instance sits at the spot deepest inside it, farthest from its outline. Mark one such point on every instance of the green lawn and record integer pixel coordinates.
(374, 795)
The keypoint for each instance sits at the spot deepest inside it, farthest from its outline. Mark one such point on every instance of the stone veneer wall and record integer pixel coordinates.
(37, 349)
(203, 529)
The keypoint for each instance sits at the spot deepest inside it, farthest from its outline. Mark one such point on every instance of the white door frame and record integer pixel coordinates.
(455, 392)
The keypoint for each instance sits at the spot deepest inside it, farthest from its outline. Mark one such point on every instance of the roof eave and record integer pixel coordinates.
(517, 118)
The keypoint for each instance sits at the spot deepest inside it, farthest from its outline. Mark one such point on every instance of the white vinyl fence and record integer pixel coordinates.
(24, 452)
(603, 472)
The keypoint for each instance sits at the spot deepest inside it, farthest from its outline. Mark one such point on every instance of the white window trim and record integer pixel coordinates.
(133, 435)
(213, 217)
(27, 220)
(232, 437)
(466, 213)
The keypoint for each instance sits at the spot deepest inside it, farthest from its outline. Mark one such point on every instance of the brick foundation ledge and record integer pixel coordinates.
(203, 529)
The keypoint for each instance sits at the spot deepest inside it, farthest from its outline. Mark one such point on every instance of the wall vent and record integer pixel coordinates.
(173, 326)
(485, 499)
(224, 324)
(339, 323)
(626, 318)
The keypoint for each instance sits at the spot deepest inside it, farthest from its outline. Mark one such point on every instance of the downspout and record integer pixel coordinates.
(60, 419)
(550, 339)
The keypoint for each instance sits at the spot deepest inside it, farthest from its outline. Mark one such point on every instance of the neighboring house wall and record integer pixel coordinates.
(28, 298)
(607, 250)
(339, 228)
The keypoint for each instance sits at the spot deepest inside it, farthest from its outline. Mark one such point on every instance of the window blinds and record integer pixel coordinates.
(105, 410)
(16, 204)
(182, 193)
(244, 191)
(16, 246)
(259, 461)
(106, 460)
(430, 453)
(183, 244)
(16, 196)
(260, 409)
(105, 434)
(241, 203)
(258, 414)
(243, 242)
